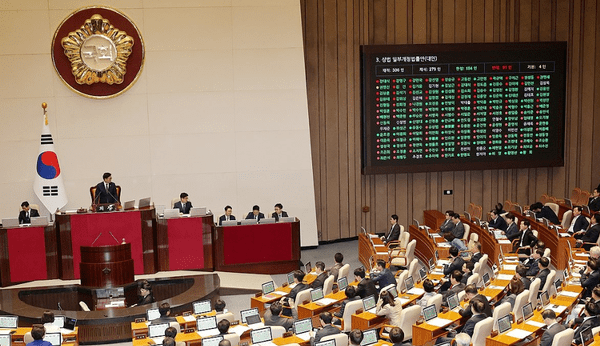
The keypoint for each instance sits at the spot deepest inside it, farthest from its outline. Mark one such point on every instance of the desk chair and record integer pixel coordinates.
(400, 280)
(473, 238)
(277, 331)
(413, 269)
(465, 238)
(483, 263)
(233, 338)
(344, 270)
(564, 338)
(549, 281)
(300, 298)
(341, 339)
(173, 201)
(566, 220)
(409, 316)
(473, 279)
(534, 289)
(520, 301)
(477, 269)
(403, 259)
(328, 285)
(176, 326)
(435, 300)
(481, 331)
(226, 316)
(27, 338)
(500, 311)
(350, 309)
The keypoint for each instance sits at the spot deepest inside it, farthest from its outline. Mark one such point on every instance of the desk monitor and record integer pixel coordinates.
(248, 312)
(519, 209)
(287, 219)
(545, 298)
(268, 287)
(369, 337)
(201, 307)
(198, 211)
(342, 283)
(429, 312)
(152, 314)
(156, 330)
(261, 335)
(586, 336)
(70, 323)
(557, 285)
(465, 254)
(369, 303)
(39, 221)
(423, 273)
(307, 267)
(10, 222)
(452, 301)
(486, 279)
(409, 283)
(212, 341)
(303, 326)
(437, 255)
(144, 203)
(416, 222)
(527, 311)
(5, 339)
(326, 343)
(206, 323)
(316, 294)
(171, 213)
(566, 274)
(129, 205)
(59, 321)
(431, 264)
(504, 324)
(229, 223)
(253, 319)
(248, 222)
(266, 220)
(290, 278)
(56, 338)
(393, 291)
(9, 322)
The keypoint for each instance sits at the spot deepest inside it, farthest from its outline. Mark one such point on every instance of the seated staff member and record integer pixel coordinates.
(321, 275)
(497, 221)
(456, 264)
(48, 321)
(526, 239)
(590, 278)
(223, 326)
(477, 316)
(394, 232)
(27, 213)
(220, 306)
(579, 223)
(339, 263)
(553, 327)
(184, 205)
(455, 286)
(279, 212)
(589, 320)
(255, 214)
(37, 333)
(366, 287)
(171, 332)
(385, 276)
(512, 231)
(390, 308)
(106, 191)
(543, 263)
(397, 336)
(273, 317)
(290, 301)
(475, 250)
(589, 236)
(594, 299)
(515, 287)
(145, 293)
(594, 202)
(521, 274)
(326, 328)
(429, 289)
(165, 314)
(448, 225)
(544, 211)
(472, 295)
(351, 296)
(467, 271)
(532, 263)
(227, 216)
(458, 231)
(355, 337)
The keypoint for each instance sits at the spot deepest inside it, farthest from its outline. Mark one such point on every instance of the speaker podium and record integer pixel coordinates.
(106, 266)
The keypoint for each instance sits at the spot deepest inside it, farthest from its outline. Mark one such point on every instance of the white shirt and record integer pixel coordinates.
(573, 223)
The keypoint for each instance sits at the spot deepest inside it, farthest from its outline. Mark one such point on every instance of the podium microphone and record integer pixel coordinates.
(96, 239)
(113, 237)
(111, 195)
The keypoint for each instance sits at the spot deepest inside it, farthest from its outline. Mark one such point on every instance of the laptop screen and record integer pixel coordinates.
(557, 284)
(326, 343)
(316, 294)
(437, 255)
(342, 283)
(70, 323)
(369, 303)
(201, 307)
(268, 287)
(54, 338)
(566, 273)
(369, 337)
(206, 323)
(586, 336)
(452, 301)
(307, 267)
(59, 321)
(290, 278)
(303, 326)
(409, 283)
(465, 254)
(486, 278)
(212, 341)
(248, 312)
(261, 335)
(504, 324)
(545, 298)
(253, 319)
(152, 314)
(5, 339)
(156, 330)
(9, 322)
(393, 291)
(429, 313)
(431, 263)
(423, 273)
(527, 311)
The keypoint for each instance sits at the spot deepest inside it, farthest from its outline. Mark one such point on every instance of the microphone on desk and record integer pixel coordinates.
(59, 307)
(113, 237)
(96, 239)
(115, 198)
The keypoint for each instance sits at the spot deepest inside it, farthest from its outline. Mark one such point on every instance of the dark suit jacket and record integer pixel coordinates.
(456, 264)
(591, 235)
(476, 257)
(185, 208)
(526, 283)
(343, 307)
(102, 196)
(386, 277)
(532, 267)
(589, 281)
(589, 322)
(366, 287)
(512, 232)
(223, 218)
(469, 327)
(549, 334)
(454, 289)
(466, 277)
(542, 275)
(323, 332)
(276, 216)
(24, 219)
(499, 223)
(447, 226)
(528, 239)
(166, 319)
(393, 233)
(594, 204)
(319, 281)
(581, 224)
(251, 216)
(294, 292)
(271, 320)
(459, 230)
(149, 299)
(549, 214)
(466, 312)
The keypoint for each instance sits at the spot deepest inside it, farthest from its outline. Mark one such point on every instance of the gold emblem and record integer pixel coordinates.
(98, 52)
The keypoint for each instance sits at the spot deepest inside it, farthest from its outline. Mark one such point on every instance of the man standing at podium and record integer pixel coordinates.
(183, 205)
(106, 191)
(26, 214)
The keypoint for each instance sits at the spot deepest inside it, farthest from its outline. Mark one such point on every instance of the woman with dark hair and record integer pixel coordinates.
(389, 307)
(48, 322)
(145, 293)
(515, 287)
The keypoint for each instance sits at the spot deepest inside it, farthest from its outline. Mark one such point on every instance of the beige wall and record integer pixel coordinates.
(219, 112)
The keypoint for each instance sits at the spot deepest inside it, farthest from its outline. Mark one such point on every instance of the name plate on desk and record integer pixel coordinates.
(101, 208)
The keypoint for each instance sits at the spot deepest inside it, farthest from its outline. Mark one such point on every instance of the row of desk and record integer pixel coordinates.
(53, 252)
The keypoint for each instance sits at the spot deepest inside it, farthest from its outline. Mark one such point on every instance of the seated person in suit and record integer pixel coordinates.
(397, 337)
(515, 287)
(184, 205)
(553, 328)
(455, 286)
(165, 314)
(467, 271)
(227, 216)
(543, 263)
(532, 263)
(590, 278)
(544, 211)
(366, 286)
(224, 324)
(590, 236)
(526, 239)
(279, 212)
(478, 315)
(321, 275)
(475, 250)
(521, 274)
(220, 306)
(512, 230)
(273, 317)
(351, 296)
(339, 263)
(290, 301)
(472, 296)
(589, 320)
(37, 333)
(394, 232)
(171, 332)
(326, 328)
(456, 242)
(499, 209)
(458, 231)
(579, 223)
(255, 214)
(429, 289)
(456, 263)
(594, 201)
(106, 191)
(575, 313)
(145, 293)
(497, 221)
(385, 276)
(355, 337)
(27, 213)
(448, 225)
(48, 321)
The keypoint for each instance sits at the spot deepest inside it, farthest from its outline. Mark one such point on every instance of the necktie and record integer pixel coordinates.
(107, 187)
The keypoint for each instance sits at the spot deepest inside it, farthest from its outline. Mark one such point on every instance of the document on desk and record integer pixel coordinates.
(189, 318)
(325, 301)
(416, 291)
(505, 277)
(444, 244)
(518, 333)
(439, 322)
(536, 324)
(373, 236)
(239, 329)
(494, 287)
(559, 309)
(279, 293)
(6, 331)
(304, 336)
(504, 241)
(509, 267)
(582, 254)
(568, 294)
(404, 301)
(442, 262)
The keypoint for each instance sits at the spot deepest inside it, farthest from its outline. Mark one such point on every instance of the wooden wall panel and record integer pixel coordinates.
(333, 34)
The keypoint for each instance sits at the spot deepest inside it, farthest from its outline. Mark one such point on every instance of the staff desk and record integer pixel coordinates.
(139, 329)
(426, 334)
(290, 340)
(184, 243)
(69, 339)
(433, 218)
(371, 248)
(260, 301)
(190, 339)
(313, 309)
(367, 320)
